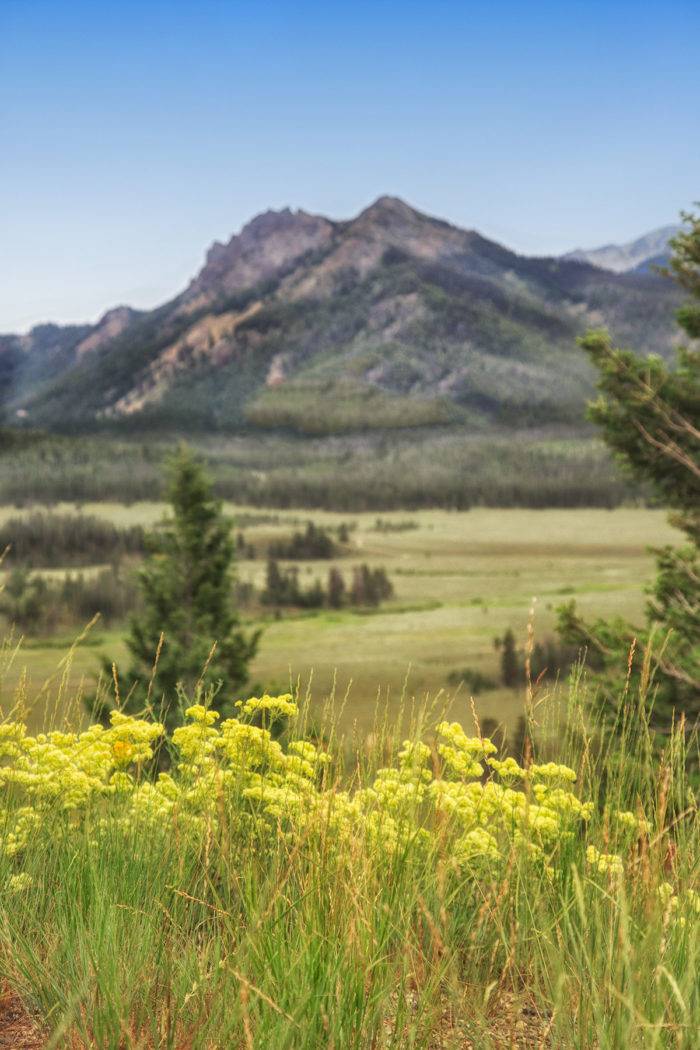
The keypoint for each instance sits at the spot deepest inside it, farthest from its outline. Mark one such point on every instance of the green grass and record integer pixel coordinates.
(460, 579)
(256, 933)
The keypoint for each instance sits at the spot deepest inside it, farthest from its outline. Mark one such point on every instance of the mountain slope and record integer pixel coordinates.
(30, 362)
(392, 319)
(640, 255)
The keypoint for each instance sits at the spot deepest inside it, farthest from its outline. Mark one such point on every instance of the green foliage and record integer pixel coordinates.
(336, 589)
(282, 588)
(23, 598)
(386, 525)
(649, 414)
(685, 267)
(314, 543)
(77, 598)
(40, 605)
(52, 540)
(474, 680)
(511, 663)
(369, 588)
(186, 585)
(547, 659)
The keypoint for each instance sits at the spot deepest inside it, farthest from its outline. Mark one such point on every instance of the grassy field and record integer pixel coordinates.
(264, 895)
(294, 892)
(460, 579)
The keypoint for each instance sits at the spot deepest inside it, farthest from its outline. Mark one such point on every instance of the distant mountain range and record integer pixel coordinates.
(641, 255)
(391, 319)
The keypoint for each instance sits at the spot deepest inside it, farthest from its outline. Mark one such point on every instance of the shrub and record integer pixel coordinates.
(475, 681)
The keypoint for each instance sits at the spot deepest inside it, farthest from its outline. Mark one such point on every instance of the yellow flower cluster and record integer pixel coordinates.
(604, 863)
(272, 706)
(70, 769)
(21, 883)
(453, 796)
(674, 903)
(631, 823)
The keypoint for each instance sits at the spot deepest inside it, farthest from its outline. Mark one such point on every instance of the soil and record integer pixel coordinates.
(514, 1026)
(17, 1029)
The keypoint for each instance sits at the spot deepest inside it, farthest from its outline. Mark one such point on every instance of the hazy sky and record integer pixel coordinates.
(132, 134)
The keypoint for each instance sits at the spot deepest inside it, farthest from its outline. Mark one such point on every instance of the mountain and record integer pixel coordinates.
(640, 256)
(29, 362)
(390, 319)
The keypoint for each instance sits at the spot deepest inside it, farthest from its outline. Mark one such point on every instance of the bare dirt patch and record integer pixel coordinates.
(17, 1029)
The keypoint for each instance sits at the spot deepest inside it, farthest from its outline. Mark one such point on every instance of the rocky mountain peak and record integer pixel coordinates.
(111, 324)
(120, 315)
(391, 215)
(264, 248)
(387, 207)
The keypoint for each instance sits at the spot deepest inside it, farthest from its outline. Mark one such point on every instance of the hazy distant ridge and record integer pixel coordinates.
(652, 248)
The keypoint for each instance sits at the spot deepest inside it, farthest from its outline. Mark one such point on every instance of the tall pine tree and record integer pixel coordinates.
(650, 416)
(186, 583)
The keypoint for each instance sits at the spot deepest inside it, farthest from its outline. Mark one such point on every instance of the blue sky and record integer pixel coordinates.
(133, 134)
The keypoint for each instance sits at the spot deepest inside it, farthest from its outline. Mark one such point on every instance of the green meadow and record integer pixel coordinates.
(460, 578)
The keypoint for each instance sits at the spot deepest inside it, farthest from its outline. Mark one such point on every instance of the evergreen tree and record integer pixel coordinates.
(281, 585)
(382, 587)
(313, 598)
(274, 584)
(649, 414)
(362, 590)
(187, 585)
(336, 588)
(510, 660)
(23, 598)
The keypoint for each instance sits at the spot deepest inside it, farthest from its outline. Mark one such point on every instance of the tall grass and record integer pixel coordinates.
(128, 938)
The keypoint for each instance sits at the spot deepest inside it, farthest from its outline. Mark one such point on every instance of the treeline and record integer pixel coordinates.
(314, 543)
(367, 588)
(548, 660)
(451, 469)
(41, 605)
(386, 525)
(43, 539)
(56, 540)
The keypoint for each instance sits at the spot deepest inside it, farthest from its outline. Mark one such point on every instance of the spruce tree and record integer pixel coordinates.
(649, 415)
(187, 585)
(336, 589)
(510, 660)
